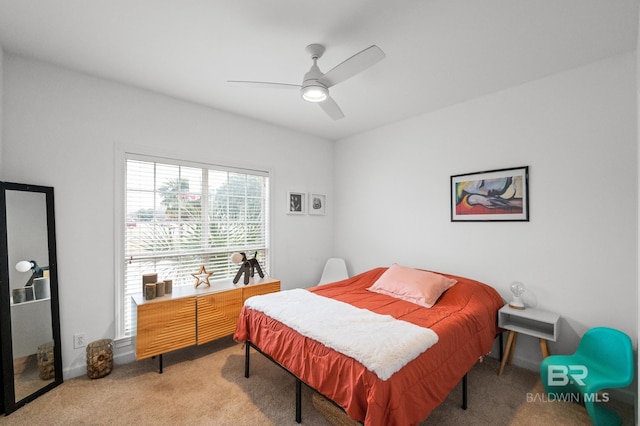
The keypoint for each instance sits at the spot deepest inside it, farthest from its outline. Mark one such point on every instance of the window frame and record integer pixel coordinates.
(120, 195)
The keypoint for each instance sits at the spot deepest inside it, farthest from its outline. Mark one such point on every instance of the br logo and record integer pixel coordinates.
(561, 375)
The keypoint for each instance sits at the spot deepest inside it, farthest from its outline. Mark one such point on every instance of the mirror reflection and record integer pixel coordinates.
(31, 320)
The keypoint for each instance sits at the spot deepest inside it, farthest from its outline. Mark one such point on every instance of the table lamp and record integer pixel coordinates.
(517, 288)
(26, 265)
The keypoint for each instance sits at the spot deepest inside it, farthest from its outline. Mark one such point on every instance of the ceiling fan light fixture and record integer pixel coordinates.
(316, 84)
(313, 93)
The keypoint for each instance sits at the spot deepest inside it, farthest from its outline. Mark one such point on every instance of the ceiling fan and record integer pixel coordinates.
(315, 84)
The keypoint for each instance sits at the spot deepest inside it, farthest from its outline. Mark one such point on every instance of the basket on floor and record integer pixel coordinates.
(99, 358)
(46, 368)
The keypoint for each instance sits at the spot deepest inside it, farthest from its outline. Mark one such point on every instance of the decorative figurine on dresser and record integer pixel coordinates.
(247, 267)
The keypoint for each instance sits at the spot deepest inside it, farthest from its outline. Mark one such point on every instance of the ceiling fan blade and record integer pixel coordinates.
(331, 108)
(264, 84)
(352, 66)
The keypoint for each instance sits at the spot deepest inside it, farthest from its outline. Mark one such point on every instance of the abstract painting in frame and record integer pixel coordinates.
(495, 195)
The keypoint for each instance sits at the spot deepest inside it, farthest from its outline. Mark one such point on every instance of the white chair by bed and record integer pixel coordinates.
(334, 270)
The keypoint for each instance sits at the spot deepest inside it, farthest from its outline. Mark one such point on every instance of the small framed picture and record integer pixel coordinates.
(491, 196)
(296, 202)
(317, 203)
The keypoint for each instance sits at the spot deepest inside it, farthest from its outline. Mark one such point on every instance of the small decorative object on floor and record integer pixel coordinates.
(247, 267)
(99, 358)
(45, 361)
(150, 291)
(148, 279)
(168, 286)
(199, 277)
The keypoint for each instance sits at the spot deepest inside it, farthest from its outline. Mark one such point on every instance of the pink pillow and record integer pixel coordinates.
(413, 285)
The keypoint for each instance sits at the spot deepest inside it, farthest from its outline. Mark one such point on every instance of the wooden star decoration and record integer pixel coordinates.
(199, 276)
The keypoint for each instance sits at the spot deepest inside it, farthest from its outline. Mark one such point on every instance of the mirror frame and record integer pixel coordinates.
(9, 404)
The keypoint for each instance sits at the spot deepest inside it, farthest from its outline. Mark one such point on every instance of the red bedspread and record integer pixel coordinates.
(464, 319)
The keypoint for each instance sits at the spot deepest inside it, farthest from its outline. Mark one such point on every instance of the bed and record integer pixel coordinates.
(464, 320)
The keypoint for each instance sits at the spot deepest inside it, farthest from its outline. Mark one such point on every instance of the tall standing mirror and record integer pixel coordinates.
(29, 314)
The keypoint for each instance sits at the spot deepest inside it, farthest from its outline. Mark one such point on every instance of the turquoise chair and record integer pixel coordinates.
(603, 360)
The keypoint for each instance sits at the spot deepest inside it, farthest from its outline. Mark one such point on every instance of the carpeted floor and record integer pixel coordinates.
(205, 385)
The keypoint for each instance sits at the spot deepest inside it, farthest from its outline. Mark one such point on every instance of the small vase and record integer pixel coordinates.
(150, 291)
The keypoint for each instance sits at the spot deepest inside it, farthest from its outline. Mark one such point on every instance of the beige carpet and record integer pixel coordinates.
(206, 386)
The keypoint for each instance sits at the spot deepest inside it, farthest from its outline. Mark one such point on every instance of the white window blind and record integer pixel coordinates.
(178, 217)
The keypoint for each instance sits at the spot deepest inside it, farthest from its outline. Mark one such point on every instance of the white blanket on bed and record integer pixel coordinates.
(381, 343)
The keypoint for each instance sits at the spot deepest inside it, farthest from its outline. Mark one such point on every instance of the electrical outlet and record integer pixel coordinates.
(79, 340)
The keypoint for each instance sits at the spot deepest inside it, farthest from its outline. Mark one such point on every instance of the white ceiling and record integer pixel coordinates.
(439, 52)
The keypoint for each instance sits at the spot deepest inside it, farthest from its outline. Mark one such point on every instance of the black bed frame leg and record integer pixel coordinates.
(298, 400)
(464, 392)
(247, 346)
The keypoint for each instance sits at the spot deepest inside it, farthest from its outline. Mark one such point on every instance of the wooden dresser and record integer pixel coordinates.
(192, 316)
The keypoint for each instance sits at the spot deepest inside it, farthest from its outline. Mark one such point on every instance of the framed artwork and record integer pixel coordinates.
(495, 195)
(296, 202)
(317, 203)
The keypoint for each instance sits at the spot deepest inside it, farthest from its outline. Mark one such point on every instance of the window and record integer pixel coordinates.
(179, 216)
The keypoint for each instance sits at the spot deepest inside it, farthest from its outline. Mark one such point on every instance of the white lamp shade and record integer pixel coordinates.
(23, 266)
(236, 258)
(517, 288)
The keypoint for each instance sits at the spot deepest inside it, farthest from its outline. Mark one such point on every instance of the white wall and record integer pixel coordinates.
(577, 255)
(64, 129)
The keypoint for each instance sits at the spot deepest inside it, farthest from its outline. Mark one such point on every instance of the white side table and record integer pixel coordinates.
(532, 322)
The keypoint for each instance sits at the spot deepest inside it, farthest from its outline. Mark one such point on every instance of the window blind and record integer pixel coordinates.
(180, 216)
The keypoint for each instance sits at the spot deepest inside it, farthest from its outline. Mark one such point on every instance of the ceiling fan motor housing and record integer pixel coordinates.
(312, 90)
